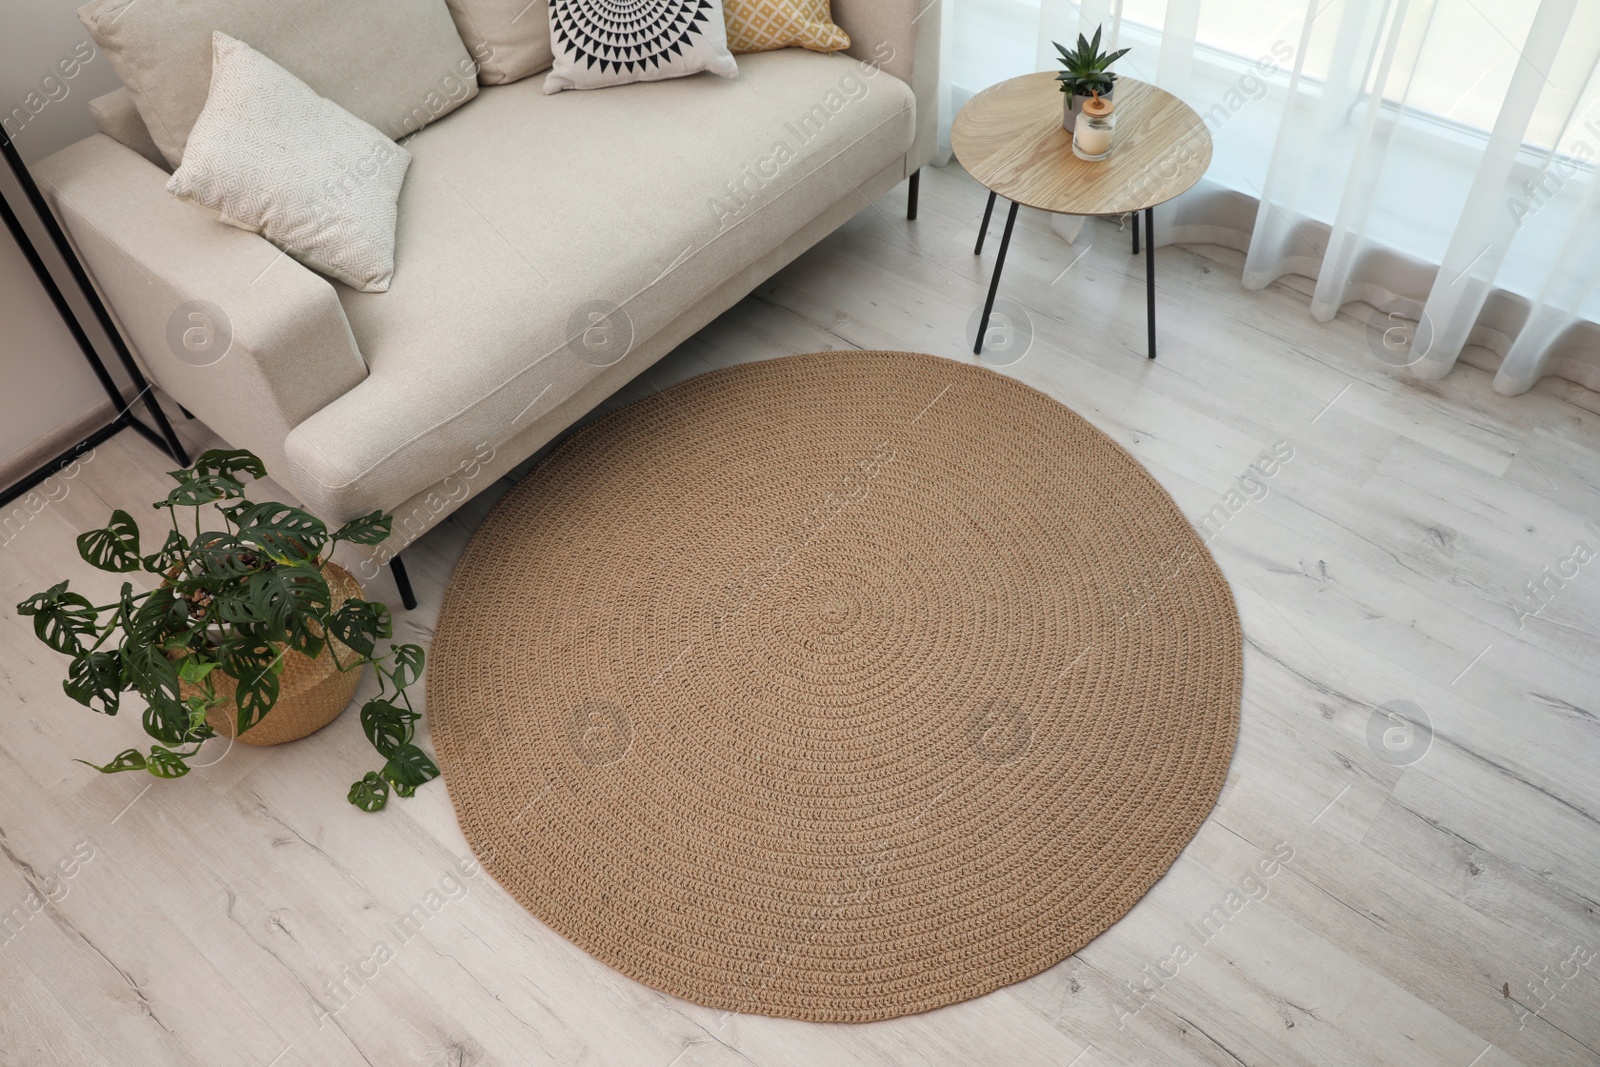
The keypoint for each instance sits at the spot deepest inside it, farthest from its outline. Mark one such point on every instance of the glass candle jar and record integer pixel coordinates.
(1091, 138)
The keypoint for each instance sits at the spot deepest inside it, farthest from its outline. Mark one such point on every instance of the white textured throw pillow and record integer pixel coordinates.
(273, 157)
(606, 42)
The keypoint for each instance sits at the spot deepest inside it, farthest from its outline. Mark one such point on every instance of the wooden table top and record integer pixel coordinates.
(1010, 138)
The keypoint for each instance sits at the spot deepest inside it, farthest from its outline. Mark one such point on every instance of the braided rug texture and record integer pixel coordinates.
(835, 687)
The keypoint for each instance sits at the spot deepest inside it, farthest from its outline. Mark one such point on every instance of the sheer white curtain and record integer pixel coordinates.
(1432, 158)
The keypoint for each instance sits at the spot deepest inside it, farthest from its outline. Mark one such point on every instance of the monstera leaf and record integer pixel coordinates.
(230, 463)
(361, 624)
(406, 664)
(114, 548)
(170, 556)
(386, 726)
(128, 760)
(367, 530)
(371, 793)
(223, 556)
(282, 532)
(167, 720)
(96, 676)
(195, 489)
(285, 600)
(160, 615)
(165, 764)
(244, 654)
(255, 696)
(147, 669)
(61, 619)
(255, 665)
(408, 768)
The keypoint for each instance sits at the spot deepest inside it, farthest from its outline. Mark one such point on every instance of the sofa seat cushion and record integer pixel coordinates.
(527, 219)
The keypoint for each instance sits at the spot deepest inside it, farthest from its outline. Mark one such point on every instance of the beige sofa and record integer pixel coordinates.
(549, 249)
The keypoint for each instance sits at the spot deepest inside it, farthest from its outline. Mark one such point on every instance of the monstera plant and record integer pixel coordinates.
(228, 606)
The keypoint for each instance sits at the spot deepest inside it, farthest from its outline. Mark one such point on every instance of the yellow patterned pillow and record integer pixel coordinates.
(762, 25)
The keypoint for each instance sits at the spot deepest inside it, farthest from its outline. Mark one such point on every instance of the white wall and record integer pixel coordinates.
(46, 387)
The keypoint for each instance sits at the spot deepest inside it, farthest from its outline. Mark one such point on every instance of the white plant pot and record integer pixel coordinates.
(1072, 106)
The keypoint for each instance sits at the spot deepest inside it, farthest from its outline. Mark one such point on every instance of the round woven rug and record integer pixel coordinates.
(835, 687)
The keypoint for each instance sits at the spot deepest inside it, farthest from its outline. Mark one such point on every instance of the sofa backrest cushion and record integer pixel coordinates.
(397, 64)
(510, 39)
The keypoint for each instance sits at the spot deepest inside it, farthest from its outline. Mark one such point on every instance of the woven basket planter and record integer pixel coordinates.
(312, 692)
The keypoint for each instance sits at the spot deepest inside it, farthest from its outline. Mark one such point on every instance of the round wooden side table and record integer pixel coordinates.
(1009, 137)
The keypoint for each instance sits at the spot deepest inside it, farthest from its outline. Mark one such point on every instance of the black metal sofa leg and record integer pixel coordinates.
(402, 581)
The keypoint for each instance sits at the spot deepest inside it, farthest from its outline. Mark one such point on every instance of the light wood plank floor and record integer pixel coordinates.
(1437, 913)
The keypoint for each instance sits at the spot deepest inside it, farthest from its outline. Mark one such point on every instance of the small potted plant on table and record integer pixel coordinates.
(251, 632)
(1084, 73)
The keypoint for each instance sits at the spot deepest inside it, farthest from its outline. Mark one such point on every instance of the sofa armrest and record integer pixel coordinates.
(901, 37)
(153, 257)
(116, 116)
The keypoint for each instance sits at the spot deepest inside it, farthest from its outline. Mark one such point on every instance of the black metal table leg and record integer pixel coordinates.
(911, 195)
(994, 282)
(1150, 275)
(1135, 233)
(402, 582)
(983, 230)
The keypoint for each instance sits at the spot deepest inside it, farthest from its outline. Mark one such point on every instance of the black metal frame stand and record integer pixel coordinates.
(1005, 243)
(162, 436)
